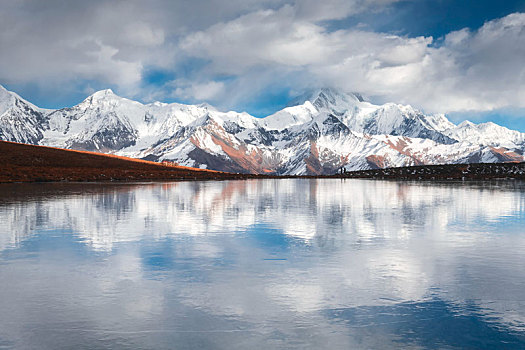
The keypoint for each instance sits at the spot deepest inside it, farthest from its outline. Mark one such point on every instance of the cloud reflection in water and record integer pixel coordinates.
(274, 263)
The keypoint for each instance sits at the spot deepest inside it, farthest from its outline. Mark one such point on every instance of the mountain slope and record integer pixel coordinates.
(27, 163)
(20, 121)
(324, 131)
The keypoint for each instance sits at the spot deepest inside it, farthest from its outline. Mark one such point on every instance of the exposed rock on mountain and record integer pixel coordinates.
(321, 133)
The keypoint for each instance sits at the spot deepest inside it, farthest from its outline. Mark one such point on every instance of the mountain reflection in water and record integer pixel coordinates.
(263, 264)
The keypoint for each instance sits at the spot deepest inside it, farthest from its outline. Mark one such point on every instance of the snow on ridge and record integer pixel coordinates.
(8, 100)
(326, 131)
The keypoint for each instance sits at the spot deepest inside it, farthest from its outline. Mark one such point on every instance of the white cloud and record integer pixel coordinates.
(61, 43)
(276, 37)
(314, 10)
(209, 90)
(258, 45)
(470, 70)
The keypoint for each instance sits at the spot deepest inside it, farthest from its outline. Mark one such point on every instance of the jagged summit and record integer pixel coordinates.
(107, 100)
(326, 98)
(7, 99)
(324, 130)
(333, 99)
(10, 99)
(105, 92)
(103, 95)
(466, 124)
(20, 121)
(207, 106)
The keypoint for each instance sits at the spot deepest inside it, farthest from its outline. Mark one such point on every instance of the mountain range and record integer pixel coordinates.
(323, 132)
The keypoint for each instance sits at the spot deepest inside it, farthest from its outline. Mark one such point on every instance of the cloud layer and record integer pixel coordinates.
(229, 52)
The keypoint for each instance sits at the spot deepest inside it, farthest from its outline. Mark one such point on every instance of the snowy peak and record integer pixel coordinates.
(438, 122)
(322, 132)
(327, 98)
(466, 124)
(317, 106)
(7, 100)
(291, 116)
(102, 94)
(487, 134)
(398, 120)
(4, 91)
(105, 96)
(20, 121)
(10, 101)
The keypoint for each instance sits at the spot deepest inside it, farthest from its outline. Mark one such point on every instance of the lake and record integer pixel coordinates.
(263, 264)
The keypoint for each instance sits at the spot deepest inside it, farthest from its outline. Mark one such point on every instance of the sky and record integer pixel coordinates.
(464, 58)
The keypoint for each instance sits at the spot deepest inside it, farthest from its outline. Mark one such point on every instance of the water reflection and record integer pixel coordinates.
(272, 263)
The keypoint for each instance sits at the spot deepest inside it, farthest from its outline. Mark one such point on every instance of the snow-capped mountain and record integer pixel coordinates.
(20, 121)
(322, 132)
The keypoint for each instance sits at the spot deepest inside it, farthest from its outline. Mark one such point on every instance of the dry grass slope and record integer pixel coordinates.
(28, 163)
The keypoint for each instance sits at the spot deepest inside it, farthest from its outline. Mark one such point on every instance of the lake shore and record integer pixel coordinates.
(474, 171)
(29, 163)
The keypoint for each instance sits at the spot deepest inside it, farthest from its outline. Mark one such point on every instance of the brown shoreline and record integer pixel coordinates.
(30, 163)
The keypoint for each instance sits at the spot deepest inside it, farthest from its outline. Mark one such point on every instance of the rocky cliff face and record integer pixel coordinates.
(323, 132)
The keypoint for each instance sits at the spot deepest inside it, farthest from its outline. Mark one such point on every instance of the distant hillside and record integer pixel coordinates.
(28, 163)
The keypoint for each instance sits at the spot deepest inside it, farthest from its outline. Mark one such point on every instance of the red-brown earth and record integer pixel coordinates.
(28, 163)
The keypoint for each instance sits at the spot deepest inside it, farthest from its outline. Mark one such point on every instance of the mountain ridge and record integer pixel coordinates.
(329, 130)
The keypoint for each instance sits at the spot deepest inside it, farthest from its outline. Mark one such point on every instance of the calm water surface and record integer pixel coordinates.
(262, 264)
